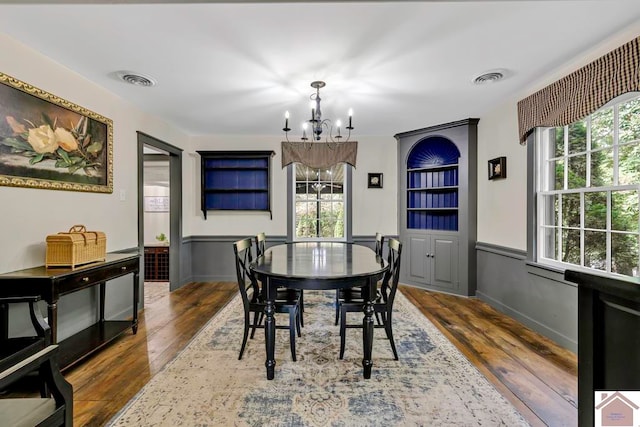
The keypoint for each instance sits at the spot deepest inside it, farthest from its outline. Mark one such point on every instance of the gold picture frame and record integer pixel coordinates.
(50, 143)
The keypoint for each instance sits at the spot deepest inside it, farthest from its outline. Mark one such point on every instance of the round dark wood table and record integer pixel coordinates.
(318, 266)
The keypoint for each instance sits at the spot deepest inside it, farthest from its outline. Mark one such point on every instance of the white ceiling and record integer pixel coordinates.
(234, 68)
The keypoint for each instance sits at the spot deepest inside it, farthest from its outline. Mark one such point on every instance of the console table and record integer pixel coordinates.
(51, 283)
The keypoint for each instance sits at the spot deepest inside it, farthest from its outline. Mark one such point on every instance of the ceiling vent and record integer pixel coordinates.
(136, 79)
(489, 77)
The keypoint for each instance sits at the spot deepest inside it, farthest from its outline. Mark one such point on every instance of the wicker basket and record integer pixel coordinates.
(75, 247)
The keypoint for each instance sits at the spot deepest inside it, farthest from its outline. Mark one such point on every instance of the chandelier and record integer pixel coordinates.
(318, 124)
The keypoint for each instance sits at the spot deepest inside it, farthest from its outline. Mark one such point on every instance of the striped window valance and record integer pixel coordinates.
(319, 155)
(582, 92)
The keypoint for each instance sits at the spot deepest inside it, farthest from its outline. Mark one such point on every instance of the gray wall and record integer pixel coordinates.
(210, 258)
(537, 297)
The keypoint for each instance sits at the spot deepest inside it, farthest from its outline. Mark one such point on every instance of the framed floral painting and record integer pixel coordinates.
(47, 142)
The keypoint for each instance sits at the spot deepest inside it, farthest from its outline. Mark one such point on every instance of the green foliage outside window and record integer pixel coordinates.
(592, 141)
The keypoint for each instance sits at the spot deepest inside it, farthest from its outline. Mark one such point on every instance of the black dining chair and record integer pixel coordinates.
(384, 302)
(261, 241)
(287, 301)
(355, 294)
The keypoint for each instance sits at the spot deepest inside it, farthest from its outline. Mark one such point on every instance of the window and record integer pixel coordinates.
(588, 191)
(319, 203)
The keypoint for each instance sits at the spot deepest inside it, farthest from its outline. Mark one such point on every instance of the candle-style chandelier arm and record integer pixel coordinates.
(316, 121)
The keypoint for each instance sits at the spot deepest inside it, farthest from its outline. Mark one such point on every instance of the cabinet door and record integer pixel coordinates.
(443, 253)
(417, 269)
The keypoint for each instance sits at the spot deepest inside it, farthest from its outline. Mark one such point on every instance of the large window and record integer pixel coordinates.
(319, 203)
(588, 191)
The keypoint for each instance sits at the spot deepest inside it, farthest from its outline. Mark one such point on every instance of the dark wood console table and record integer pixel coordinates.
(608, 337)
(51, 283)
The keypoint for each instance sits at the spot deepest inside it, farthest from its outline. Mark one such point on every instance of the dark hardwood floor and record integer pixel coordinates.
(536, 375)
(533, 373)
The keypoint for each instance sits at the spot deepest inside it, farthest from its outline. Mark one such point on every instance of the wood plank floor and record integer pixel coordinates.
(533, 373)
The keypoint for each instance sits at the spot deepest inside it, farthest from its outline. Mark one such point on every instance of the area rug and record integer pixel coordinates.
(432, 384)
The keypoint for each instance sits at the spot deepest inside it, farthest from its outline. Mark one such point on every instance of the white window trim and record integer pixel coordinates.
(541, 160)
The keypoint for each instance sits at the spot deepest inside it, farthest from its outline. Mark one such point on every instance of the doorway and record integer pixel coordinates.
(156, 223)
(160, 209)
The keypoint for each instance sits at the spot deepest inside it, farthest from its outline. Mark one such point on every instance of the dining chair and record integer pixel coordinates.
(355, 294)
(53, 409)
(287, 301)
(15, 349)
(384, 302)
(261, 241)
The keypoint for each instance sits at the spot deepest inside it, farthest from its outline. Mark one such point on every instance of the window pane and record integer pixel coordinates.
(571, 246)
(557, 135)
(595, 210)
(629, 113)
(571, 210)
(577, 168)
(602, 128)
(624, 254)
(551, 211)
(550, 244)
(595, 250)
(558, 167)
(624, 210)
(306, 220)
(602, 168)
(577, 137)
(629, 164)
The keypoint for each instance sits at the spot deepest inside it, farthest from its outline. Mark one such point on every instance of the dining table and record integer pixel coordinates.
(319, 266)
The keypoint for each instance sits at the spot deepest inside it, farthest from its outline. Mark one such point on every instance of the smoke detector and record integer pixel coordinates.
(491, 76)
(136, 79)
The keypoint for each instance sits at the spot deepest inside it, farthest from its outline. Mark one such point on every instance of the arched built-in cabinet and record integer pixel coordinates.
(437, 176)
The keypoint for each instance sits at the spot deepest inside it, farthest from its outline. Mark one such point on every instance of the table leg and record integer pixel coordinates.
(367, 329)
(102, 298)
(52, 314)
(270, 327)
(136, 298)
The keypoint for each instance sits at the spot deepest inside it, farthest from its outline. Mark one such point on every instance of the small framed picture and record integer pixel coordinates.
(374, 180)
(498, 168)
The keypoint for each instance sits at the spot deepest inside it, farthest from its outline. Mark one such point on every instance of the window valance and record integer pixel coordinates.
(319, 155)
(582, 92)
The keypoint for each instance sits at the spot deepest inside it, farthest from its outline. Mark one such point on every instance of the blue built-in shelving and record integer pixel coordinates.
(235, 180)
(432, 185)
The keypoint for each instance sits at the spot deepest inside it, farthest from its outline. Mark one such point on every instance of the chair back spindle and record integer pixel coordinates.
(261, 240)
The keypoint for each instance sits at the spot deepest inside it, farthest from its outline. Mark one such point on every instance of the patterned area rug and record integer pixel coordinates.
(432, 384)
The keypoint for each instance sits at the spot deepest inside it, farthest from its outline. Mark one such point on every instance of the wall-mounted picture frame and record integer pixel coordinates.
(50, 143)
(374, 180)
(498, 168)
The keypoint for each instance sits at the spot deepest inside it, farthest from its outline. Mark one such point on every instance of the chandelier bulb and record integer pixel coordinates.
(286, 122)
